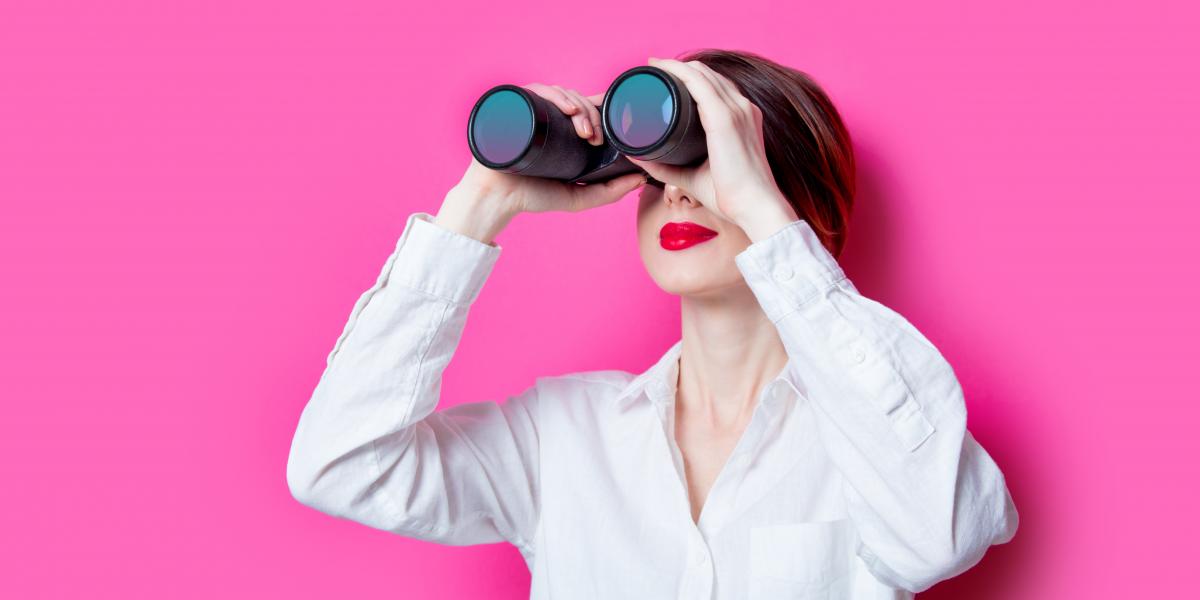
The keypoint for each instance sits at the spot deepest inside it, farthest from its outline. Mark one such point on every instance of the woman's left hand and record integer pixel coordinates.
(735, 181)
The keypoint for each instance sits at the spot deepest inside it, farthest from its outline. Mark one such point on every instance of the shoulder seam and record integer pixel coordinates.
(577, 376)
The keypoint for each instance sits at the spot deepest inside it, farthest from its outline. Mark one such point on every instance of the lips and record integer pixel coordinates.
(685, 234)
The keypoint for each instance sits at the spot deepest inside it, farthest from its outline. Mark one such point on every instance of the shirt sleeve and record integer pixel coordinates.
(369, 445)
(925, 498)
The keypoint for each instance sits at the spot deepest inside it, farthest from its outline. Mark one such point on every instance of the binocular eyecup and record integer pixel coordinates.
(647, 113)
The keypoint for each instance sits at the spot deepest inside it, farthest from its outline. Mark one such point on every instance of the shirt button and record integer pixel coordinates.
(859, 354)
(783, 273)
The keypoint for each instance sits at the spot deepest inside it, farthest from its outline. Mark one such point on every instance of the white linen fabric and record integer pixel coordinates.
(856, 477)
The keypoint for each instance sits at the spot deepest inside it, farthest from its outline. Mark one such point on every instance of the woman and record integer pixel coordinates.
(798, 441)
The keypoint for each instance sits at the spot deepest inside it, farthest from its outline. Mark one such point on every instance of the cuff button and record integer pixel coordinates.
(783, 273)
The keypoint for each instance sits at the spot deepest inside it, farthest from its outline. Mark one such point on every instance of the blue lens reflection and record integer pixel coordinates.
(643, 107)
(503, 126)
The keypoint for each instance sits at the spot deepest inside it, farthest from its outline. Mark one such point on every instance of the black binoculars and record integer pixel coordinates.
(647, 114)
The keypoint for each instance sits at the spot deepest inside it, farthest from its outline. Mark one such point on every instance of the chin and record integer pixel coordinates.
(690, 278)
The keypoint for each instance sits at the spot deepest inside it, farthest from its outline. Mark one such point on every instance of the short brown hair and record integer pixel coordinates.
(807, 144)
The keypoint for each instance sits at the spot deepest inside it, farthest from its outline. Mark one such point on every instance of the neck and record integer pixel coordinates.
(730, 352)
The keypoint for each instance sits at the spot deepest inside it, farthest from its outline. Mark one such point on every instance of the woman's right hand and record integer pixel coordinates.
(485, 200)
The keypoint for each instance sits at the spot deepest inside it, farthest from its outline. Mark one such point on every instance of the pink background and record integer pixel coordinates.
(195, 193)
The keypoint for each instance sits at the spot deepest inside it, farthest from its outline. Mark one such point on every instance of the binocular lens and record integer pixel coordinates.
(503, 126)
(642, 108)
(649, 115)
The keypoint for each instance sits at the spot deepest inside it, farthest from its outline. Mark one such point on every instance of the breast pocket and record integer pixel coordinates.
(808, 559)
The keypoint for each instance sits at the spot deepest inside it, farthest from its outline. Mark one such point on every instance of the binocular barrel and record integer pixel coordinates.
(647, 114)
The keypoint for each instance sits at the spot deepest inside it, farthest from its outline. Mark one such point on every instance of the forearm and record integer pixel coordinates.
(383, 377)
(926, 499)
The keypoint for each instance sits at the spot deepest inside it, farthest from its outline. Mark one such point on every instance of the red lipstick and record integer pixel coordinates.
(677, 236)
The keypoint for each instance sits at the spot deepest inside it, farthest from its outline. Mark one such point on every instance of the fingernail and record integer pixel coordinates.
(587, 129)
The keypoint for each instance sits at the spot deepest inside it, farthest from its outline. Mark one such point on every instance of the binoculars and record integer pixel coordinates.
(647, 114)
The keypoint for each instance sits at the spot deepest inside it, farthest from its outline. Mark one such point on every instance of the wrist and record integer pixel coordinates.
(475, 213)
(766, 219)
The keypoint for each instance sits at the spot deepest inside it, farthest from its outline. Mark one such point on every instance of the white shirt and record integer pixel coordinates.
(856, 477)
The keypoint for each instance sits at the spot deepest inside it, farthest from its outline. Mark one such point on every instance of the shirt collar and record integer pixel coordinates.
(657, 383)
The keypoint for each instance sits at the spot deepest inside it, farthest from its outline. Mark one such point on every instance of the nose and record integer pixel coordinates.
(676, 195)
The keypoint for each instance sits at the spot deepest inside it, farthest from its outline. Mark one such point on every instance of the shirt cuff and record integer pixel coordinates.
(441, 262)
(788, 269)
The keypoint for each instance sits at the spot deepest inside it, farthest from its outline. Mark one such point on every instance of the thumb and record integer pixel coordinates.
(676, 176)
(592, 195)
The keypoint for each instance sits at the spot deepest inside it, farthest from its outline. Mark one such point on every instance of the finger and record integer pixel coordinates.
(593, 117)
(582, 121)
(714, 110)
(677, 176)
(592, 195)
(723, 86)
(597, 100)
(555, 96)
(736, 98)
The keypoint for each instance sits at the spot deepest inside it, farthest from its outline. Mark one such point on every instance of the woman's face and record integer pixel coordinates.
(701, 269)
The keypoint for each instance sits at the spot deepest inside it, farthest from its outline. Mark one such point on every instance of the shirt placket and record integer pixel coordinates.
(723, 495)
(698, 578)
